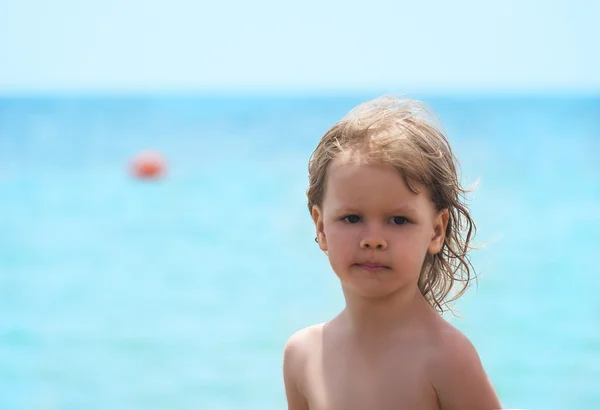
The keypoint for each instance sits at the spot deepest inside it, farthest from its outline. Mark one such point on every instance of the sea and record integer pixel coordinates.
(180, 293)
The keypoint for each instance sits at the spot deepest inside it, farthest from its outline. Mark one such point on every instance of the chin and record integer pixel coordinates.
(372, 286)
(369, 290)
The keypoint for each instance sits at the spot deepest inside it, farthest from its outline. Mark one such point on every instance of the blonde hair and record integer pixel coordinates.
(403, 133)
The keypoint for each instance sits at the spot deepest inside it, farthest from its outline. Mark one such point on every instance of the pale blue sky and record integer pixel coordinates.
(191, 45)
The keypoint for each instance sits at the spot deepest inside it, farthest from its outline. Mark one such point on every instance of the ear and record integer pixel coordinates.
(439, 232)
(317, 216)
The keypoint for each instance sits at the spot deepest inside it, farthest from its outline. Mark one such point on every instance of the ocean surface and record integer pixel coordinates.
(180, 294)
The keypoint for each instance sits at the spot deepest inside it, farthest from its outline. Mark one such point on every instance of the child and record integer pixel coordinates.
(387, 206)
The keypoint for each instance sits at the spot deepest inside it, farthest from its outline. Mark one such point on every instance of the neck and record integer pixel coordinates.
(376, 317)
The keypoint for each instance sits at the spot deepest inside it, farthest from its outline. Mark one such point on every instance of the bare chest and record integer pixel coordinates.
(340, 379)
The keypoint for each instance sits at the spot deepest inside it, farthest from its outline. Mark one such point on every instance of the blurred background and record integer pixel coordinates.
(179, 291)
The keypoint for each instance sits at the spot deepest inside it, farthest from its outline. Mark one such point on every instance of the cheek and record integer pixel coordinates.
(340, 237)
(341, 243)
(410, 250)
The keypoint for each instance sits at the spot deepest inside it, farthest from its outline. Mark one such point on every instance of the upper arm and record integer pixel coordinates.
(293, 365)
(459, 378)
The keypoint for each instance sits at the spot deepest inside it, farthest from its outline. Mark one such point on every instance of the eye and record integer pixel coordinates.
(351, 219)
(399, 220)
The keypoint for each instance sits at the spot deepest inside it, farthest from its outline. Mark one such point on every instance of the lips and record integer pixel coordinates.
(372, 266)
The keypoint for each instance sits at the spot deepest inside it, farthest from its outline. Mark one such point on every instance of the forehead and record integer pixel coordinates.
(352, 183)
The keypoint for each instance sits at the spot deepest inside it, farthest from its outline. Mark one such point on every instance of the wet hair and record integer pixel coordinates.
(405, 134)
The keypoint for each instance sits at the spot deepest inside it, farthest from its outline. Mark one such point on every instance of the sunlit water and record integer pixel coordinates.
(180, 294)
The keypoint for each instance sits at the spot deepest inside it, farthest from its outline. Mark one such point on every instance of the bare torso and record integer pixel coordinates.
(342, 373)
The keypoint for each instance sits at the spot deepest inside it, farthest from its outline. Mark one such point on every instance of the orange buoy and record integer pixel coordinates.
(148, 165)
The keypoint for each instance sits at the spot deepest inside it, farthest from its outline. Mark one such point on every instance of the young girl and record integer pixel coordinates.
(387, 206)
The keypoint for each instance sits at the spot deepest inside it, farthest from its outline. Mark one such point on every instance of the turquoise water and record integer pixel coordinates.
(180, 294)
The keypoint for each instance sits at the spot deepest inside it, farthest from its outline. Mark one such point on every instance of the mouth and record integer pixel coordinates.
(372, 267)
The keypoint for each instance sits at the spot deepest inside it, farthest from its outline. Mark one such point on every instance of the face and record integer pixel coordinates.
(375, 230)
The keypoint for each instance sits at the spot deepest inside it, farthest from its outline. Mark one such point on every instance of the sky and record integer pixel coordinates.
(192, 45)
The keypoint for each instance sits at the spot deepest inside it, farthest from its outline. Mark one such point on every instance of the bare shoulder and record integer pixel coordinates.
(299, 344)
(457, 374)
(305, 335)
(295, 357)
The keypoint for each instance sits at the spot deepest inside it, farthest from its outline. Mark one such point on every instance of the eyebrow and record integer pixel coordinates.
(404, 209)
(396, 210)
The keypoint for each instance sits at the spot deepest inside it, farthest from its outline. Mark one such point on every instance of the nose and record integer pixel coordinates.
(373, 242)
